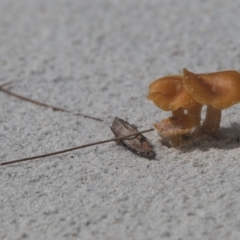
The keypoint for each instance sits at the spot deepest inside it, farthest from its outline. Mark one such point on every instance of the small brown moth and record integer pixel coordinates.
(127, 137)
(137, 144)
(125, 133)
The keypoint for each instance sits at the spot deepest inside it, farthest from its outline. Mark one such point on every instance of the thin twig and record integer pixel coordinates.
(74, 148)
(5, 84)
(45, 105)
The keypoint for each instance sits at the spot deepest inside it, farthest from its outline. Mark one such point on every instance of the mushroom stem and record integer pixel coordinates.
(178, 113)
(195, 112)
(177, 139)
(212, 121)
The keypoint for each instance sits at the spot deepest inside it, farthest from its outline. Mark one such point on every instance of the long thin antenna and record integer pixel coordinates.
(5, 84)
(74, 148)
(44, 104)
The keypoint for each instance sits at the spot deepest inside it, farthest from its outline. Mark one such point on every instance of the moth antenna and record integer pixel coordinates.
(6, 83)
(44, 104)
(74, 148)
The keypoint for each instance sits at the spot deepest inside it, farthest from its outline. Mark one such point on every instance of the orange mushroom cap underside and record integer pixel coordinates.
(169, 94)
(219, 89)
(175, 126)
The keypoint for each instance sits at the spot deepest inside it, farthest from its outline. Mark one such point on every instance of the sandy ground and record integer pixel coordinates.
(98, 57)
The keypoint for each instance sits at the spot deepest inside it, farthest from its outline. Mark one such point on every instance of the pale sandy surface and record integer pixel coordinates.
(98, 57)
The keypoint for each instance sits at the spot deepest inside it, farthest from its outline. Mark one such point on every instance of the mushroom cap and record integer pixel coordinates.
(173, 126)
(219, 89)
(169, 94)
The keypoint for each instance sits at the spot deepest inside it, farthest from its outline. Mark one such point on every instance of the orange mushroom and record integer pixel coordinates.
(217, 90)
(169, 94)
(174, 128)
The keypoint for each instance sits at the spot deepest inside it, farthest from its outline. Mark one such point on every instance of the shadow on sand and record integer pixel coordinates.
(228, 138)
